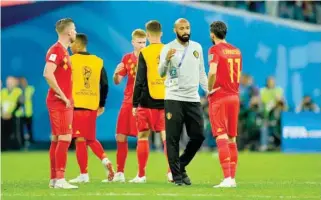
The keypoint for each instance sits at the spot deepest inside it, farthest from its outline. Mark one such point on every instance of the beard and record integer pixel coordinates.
(183, 38)
(212, 40)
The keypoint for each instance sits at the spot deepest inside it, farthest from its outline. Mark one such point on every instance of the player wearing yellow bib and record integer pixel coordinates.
(148, 99)
(90, 88)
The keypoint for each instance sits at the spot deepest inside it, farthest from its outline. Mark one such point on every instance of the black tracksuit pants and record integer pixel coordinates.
(178, 113)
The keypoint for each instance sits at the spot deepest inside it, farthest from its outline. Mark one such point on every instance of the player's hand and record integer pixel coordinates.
(119, 68)
(134, 111)
(212, 91)
(100, 111)
(170, 54)
(64, 99)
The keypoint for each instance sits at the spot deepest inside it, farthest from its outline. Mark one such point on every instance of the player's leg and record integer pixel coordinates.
(61, 122)
(126, 125)
(98, 150)
(52, 156)
(233, 113)
(121, 156)
(79, 130)
(142, 153)
(174, 124)
(142, 150)
(217, 114)
(194, 123)
(82, 159)
(96, 146)
(234, 158)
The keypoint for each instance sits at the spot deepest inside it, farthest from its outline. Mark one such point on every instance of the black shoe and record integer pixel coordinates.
(178, 182)
(186, 180)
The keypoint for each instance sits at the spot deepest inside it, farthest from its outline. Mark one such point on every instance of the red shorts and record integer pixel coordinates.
(126, 123)
(223, 114)
(150, 119)
(84, 124)
(61, 121)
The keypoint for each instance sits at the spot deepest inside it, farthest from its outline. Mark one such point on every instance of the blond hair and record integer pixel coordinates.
(62, 24)
(138, 33)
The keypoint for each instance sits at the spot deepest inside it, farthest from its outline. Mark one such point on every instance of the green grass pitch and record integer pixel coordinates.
(259, 176)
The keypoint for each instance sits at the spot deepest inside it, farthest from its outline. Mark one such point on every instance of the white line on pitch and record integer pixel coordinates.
(162, 194)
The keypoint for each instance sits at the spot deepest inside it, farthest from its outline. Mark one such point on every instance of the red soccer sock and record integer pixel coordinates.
(122, 151)
(224, 156)
(61, 158)
(82, 156)
(234, 158)
(165, 152)
(142, 156)
(52, 152)
(97, 149)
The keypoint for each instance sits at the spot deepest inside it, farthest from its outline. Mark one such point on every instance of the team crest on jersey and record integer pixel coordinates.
(169, 115)
(70, 127)
(86, 75)
(196, 54)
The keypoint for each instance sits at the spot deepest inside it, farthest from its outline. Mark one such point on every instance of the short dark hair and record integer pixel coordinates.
(62, 24)
(82, 38)
(153, 26)
(219, 29)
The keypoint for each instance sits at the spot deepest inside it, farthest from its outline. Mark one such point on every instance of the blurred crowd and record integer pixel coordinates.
(260, 115)
(16, 114)
(307, 11)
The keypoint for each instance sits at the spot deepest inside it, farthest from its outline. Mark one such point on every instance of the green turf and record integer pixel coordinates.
(260, 176)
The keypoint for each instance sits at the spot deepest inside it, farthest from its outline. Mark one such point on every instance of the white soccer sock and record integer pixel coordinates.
(105, 161)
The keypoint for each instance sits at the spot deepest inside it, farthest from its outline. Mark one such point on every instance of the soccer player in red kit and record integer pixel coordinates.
(59, 101)
(225, 62)
(126, 123)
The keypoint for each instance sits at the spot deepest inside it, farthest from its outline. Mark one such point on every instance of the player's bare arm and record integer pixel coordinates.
(212, 76)
(48, 73)
(118, 78)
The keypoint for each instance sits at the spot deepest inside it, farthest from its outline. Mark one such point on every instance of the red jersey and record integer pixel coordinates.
(130, 69)
(229, 66)
(59, 55)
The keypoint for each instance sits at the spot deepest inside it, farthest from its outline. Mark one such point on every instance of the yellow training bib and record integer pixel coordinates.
(86, 70)
(156, 84)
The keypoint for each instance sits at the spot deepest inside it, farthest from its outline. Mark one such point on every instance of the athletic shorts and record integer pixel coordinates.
(223, 114)
(150, 119)
(126, 122)
(84, 124)
(61, 121)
